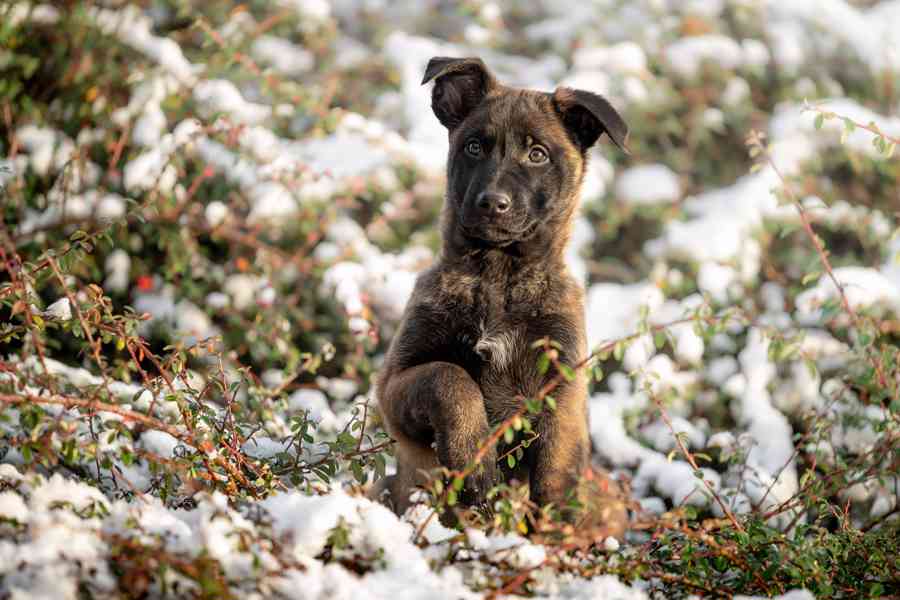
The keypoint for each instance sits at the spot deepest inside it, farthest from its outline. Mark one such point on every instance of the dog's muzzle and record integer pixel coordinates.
(497, 235)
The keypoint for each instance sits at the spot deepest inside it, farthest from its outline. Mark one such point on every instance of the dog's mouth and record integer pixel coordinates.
(499, 236)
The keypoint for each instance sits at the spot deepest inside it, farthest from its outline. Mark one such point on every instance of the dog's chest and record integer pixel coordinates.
(499, 345)
(493, 311)
(496, 328)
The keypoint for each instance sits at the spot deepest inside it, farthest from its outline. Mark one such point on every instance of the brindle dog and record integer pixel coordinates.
(463, 356)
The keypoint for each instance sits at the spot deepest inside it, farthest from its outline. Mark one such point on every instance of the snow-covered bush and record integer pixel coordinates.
(214, 213)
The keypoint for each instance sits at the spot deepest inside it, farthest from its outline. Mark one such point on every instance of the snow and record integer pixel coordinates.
(675, 480)
(38, 13)
(61, 310)
(161, 443)
(581, 238)
(143, 172)
(737, 90)
(768, 439)
(242, 289)
(863, 288)
(756, 54)
(386, 281)
(836, 24)
(607, 428)
(613, 310)
(40, 143)
(271, 201)
(647, 185)
(720, 369)
(510, 547)
(315, 403)
(722, 239)
(150, 126)
(624, 57)
(660, 435)
(314, 10)
(687, 55)
(339, 388)
(13, 507)
(222, 96)
(342, 155)
(216, 212)
(789, 122)
(285, 57)
(133, 28)
(276, 169)
(716, 280)
(58, 491)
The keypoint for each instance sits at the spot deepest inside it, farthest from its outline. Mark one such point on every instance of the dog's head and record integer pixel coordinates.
(517, 157)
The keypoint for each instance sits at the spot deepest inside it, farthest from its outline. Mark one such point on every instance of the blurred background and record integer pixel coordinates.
(243, 192)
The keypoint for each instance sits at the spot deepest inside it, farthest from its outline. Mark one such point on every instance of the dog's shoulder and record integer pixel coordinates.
(445, 285)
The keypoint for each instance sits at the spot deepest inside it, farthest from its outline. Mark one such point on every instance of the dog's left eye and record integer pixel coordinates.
(473, 148)
(538, 155)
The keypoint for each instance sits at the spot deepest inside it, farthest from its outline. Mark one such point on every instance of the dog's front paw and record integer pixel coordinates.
(477, 484)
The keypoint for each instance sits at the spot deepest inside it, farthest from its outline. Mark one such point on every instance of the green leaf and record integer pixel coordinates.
(786, 230)
(659, 339)
(567, 372)
(811, 367)
(358, 473)
(543, 363)
(810, 277)
(820, 120)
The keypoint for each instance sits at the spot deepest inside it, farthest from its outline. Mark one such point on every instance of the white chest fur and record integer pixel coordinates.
(497, 346)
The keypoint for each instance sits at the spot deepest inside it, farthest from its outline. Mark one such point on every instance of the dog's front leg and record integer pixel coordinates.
(439, 402)
(562, 451)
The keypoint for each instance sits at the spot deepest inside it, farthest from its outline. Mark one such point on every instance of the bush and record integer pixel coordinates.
(207, 246)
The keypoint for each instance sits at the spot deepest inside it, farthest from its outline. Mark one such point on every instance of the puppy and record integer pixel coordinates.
(464, 357)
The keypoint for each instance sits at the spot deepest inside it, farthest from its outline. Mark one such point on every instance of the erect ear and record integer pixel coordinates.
(460, 85)
(587, 116)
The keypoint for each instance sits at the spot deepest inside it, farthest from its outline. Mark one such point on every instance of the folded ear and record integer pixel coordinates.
(587, 116)
(460, 85)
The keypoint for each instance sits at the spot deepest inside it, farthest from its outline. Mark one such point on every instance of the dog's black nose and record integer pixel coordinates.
(493, 203)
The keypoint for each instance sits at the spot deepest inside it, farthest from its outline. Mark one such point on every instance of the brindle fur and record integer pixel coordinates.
(462, 358)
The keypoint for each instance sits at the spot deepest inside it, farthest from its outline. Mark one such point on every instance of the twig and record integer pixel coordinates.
(693, 462)
(757, 145)
(542, 393)
(871, 127)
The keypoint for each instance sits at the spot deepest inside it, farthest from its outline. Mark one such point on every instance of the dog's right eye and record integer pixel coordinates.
(473, 148)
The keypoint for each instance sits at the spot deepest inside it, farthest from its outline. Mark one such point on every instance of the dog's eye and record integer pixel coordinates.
(538, 155)
(473, 148)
